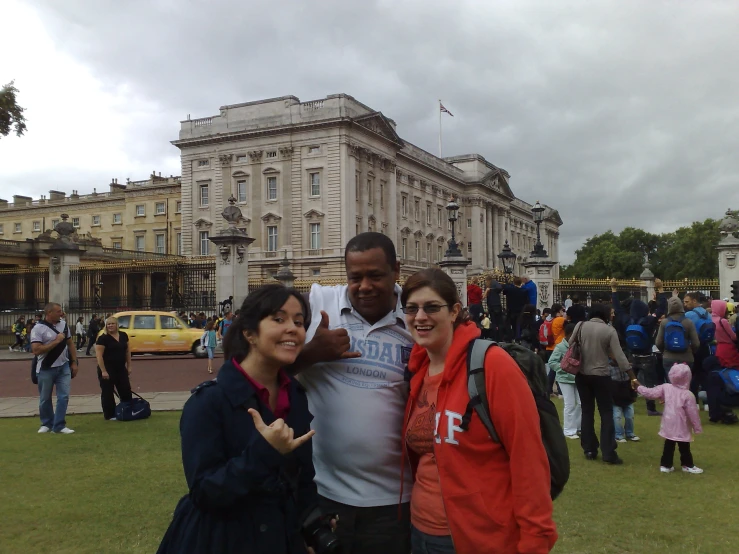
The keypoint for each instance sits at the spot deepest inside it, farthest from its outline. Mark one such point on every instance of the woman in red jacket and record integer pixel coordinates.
(470, 495)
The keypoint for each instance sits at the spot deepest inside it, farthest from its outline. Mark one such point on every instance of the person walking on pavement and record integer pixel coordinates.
(56, 366)
(92, 333)
(80, 332)
(516, 299)
(114, 367)
(18, 327)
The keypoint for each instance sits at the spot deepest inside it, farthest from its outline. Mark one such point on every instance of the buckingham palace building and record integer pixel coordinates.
(308, 176)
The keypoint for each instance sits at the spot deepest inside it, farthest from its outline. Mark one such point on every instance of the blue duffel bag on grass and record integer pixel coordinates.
(730, 377)
(138, 408)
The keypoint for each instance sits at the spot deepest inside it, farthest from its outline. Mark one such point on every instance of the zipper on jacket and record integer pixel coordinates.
(438, 473)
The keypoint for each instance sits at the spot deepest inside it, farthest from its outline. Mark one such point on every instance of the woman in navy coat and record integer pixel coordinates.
(246, 447)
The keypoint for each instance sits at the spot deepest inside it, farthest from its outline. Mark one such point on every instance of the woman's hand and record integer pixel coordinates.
(278, 434)
(104, 374)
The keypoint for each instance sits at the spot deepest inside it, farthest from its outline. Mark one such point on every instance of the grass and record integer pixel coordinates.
(112, 487)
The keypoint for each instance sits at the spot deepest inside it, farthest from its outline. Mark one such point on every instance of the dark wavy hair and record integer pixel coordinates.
(262, 302)
(440, 283)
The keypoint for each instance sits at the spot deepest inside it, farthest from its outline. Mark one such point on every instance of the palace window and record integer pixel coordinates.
(271, 188)
(204, 243)
(272, 238)
(160, 248)
(116, 218)
(241, 191)
(315, 236)
(204, 196)
(315, 183)
(140, 210)
(160, 208)
(96, 220)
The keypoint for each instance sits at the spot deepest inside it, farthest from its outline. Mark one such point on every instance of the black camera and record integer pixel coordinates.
(318, 535)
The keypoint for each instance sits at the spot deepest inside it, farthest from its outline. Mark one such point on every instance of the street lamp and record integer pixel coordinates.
(508, 258)
(538, 251)
(453, 208)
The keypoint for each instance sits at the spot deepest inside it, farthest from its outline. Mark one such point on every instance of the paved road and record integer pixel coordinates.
(149, 374)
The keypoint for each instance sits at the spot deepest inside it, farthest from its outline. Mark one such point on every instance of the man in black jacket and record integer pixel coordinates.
(92, 333)
(516, 299)
(495, 307)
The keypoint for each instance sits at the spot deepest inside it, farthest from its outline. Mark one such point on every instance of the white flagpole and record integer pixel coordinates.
(440, 128)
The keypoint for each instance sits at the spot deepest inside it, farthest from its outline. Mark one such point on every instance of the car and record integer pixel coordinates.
(152, 332)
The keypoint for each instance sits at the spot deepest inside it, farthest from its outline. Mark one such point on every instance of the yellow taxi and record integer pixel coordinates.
(159, 332)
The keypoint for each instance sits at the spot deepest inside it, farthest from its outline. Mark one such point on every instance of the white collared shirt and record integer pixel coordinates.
(358, 404)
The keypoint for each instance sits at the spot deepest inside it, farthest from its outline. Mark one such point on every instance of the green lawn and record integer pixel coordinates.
(111, 487)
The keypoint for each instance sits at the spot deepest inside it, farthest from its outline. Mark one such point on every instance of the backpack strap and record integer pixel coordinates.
(476, 387)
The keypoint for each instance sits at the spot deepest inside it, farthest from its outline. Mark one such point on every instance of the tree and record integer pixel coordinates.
(11, 114)
(687, 252)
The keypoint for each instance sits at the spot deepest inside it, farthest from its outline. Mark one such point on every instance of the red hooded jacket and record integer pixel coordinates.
(496, 500)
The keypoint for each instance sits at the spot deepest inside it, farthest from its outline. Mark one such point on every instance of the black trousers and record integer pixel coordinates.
(496, 321)
(645, 368)
(596, 389)
(686, 458)
(698, 375)
(374, 530)
(119, 381)
(90, 344)
(81, 339)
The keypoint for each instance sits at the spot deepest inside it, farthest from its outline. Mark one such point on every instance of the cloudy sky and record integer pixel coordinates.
(615, 112)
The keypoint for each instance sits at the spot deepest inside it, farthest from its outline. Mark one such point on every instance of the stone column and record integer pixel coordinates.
(456, 268)
(728, 254)
(63, 254)
(647, 280)
(232, 264)
(490, 261)
(20, 290)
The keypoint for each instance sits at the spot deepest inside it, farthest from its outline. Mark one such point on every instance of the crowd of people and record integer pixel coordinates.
(343, 416)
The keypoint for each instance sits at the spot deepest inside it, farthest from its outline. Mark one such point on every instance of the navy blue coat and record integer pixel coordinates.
(245, 497)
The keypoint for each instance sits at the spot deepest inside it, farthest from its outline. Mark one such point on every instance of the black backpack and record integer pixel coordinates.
(51, 356)
(533, 368)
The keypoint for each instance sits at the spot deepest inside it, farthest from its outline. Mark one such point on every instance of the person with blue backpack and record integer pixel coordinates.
(677, 337)
(706, 329)
(638, 329)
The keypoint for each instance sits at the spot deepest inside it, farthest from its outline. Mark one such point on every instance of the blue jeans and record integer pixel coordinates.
(61, 378)
(627, 414)
(421, 543)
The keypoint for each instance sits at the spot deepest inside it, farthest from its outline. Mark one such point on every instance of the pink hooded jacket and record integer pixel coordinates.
(681, 411)
(724, 332)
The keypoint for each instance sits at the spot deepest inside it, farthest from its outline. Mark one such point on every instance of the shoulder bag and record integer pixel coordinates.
(572, 359)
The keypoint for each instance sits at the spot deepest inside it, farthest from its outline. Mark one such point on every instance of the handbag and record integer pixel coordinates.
(137, 408)
(572, 359)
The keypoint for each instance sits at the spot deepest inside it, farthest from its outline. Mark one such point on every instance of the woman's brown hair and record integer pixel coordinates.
(440, 283)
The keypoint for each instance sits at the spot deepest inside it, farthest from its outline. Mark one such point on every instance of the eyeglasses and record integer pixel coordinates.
(427, 309)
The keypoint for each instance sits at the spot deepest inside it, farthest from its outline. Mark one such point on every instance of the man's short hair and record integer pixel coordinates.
(556, 308)
(50, 307)
(695, 296)
(546, 311)
(517, 281)
(369, 240)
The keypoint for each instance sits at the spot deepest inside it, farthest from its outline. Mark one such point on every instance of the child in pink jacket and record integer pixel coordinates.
(680, 414)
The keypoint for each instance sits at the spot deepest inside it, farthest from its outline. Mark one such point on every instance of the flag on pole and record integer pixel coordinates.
(444, 110)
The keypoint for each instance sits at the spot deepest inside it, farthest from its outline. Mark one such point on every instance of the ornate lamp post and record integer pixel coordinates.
(284, 275)
(507, 258)
(538, 251)
(452, 207)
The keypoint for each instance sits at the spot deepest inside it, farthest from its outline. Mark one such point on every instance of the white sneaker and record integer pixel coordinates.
(113, 419)
(693, 469)
(634, 438)
(664, 469)
(620, 440)
(573, 437)
(705, 407)
(65, 431)
(10, 348)
(43, 429)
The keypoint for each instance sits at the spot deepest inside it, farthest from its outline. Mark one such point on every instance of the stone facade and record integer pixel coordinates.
(308, 176)
(139, 215)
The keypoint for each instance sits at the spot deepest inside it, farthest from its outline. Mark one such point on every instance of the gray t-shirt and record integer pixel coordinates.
(358, 405)
(43, 334)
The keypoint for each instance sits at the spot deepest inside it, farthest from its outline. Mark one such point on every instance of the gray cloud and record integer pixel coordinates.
(616, 112)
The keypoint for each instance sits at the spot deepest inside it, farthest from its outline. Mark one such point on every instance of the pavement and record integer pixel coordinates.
(89, 404)
(165, 381)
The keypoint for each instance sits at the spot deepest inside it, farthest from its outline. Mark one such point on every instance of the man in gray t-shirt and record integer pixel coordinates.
(353, 372)
(51, 338)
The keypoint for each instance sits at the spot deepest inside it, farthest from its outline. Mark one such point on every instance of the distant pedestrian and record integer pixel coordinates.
(209, 342)
(18, 328)
(568, 302)
(680, 415)
(114, 367)
(495, 307)
(223, 325)
(485, 324)
(474, 302)
(566, 381)
(51, 342)
(80, 332)
(92, 333)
